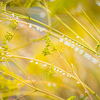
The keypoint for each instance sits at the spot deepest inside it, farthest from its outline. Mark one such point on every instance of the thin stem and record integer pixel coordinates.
(25, 95)
(71, 67)
(91, 22)
(35, 40)
(82, 85)
(24, 72)
(48, 15)
(34, 87)
(82, 27)
(14, 56)
(72, 31)
(52, 33)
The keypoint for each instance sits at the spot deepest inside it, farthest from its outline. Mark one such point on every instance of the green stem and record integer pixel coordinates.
(82, 27)
(60, 33)
(34, 87)
(91, 22)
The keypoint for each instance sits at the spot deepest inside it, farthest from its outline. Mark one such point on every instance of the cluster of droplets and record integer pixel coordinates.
(42, 15)
(16, 17)
(36, 62)
(37, 28)
(78, 48)
(57, 70)
(61, 72)
(51, 84)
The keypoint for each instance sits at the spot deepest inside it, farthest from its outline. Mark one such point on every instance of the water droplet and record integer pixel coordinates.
(72, 46)
(77, 36)
(13, 15)
(31, 61)
(54, 68)
(49, 84)
(62, 35)
(76, 49)
(7, 53)
(89, 57)
(66, 38)
(69, 39)
(72, 41)
(30, 25)
(86, 55)
(79, 45)
(54, 84)
(85, 91)
(16, 17)
(67, 43)
(57, 70)
(81, 52)
(95, 61)
(2, 58)
(45, 64)
(61, 40)
(96, 54)
(42, 14)
(67, 75)
(60, 71)
(76, 43)
(78, 82)
(63, 73)
(41, 29)
(37, 28)
(36, 62)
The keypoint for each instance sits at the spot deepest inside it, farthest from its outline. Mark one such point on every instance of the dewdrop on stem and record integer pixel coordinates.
(61, 40)
(37, 28)
(60, 71)
(54, 68)
(30, 25)
(77, 37)
(54, 84)
(36, 62)
(41, 29)
(66, 38)
(13, 15)
(67, 75)
(81, 52)
(16, 17)
(78, 82)
(63, 73)
(76, 49)
(31, 61)
(57, 70)
(49, 84)
(45, 65)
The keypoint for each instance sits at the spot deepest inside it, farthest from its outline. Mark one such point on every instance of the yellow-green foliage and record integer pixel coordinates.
(49, 50)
